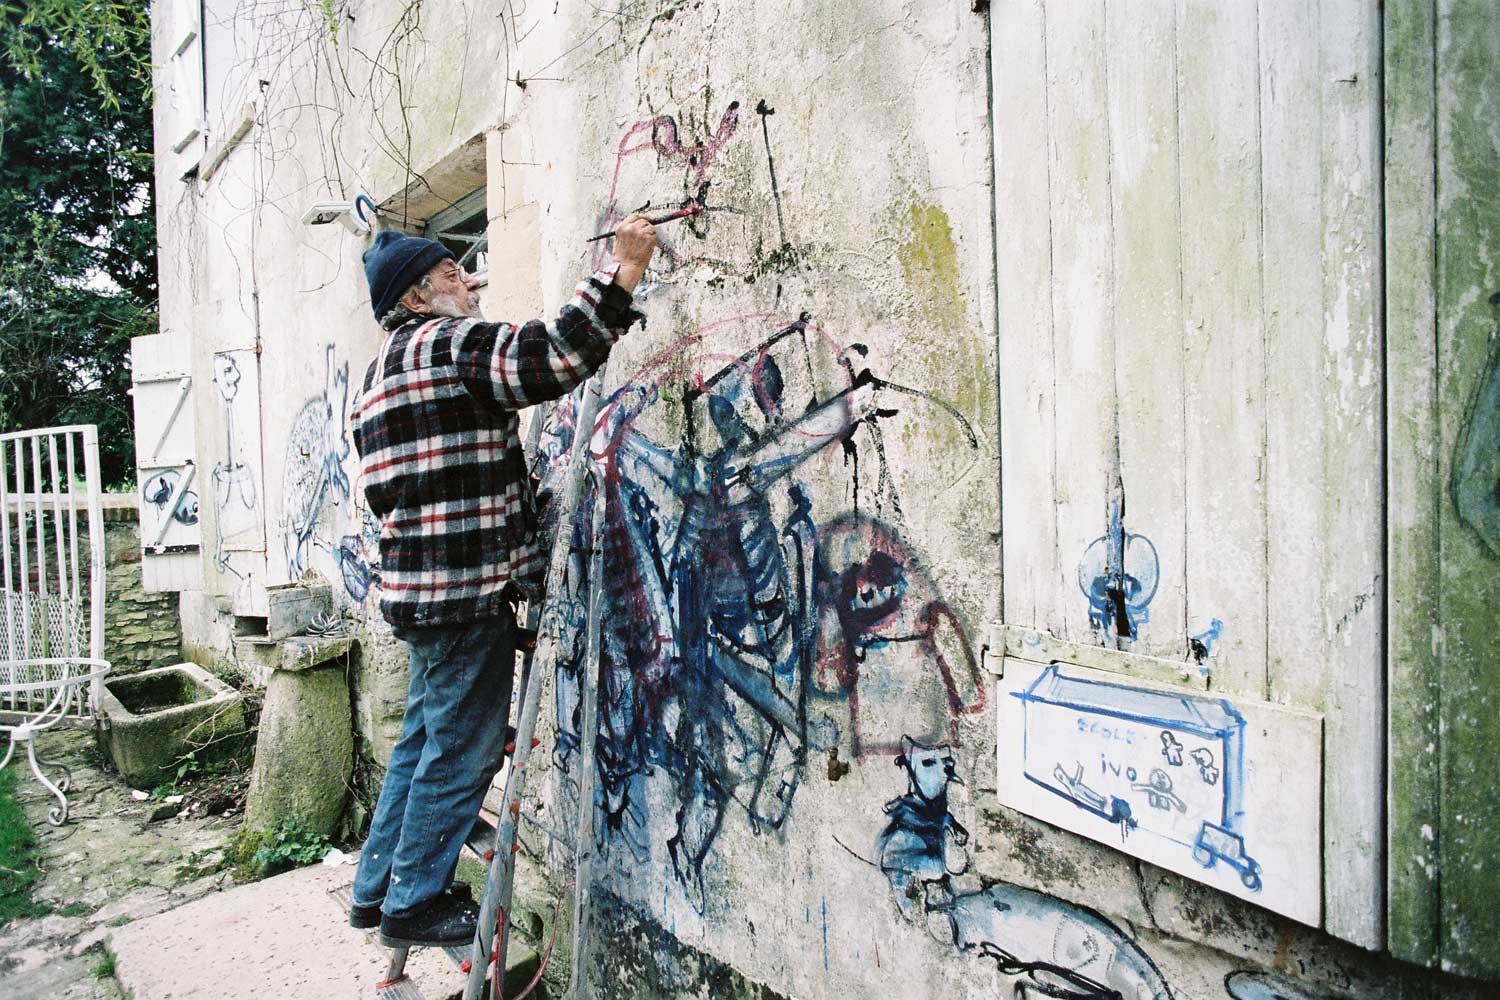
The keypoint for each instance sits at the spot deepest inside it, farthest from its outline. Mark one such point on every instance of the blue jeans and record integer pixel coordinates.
(452, 740)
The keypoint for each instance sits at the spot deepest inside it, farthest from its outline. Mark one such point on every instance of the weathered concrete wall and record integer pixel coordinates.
(800, 454)
(278, 312)
(749, 722)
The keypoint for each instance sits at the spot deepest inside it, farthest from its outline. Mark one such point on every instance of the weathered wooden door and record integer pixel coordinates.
(1188, 210)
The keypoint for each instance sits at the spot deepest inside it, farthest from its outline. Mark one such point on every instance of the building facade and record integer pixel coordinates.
(1049, 518)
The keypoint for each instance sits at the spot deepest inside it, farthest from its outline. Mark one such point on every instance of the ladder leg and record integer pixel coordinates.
(395, 969)
(494, 910)
(588, 738)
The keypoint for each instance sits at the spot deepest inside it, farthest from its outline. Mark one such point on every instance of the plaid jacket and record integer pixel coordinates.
(440, 452)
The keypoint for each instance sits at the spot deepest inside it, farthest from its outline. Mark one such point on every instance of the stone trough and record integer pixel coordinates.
(157, 716)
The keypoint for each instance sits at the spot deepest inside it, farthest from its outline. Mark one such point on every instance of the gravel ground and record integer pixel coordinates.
(109, 864)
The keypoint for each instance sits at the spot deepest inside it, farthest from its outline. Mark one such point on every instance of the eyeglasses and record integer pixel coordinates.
(455, 272)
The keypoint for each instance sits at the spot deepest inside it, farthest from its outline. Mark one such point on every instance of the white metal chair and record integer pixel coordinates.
(52, 670)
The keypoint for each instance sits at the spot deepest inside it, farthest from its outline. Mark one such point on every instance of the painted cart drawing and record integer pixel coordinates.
(1152, 762)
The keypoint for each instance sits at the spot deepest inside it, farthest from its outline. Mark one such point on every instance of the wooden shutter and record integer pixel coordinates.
(180, 90)
(166, 470)
(1191, 394)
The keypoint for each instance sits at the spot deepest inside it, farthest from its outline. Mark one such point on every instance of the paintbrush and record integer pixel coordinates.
(682, 213)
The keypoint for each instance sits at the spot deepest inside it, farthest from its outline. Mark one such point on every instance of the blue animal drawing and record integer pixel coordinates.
(1054, 948)
(922, 844)
(1476, 461)
(1247, 984)
(158, 491)
(315, 452)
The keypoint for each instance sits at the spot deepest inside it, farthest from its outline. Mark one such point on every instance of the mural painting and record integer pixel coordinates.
(763, 613)
(356, 555)
(1476, 462)
(1119, 574)
(159, 490)
(314, 471)
(661, 138)
(746, 631)
(1055, 949)
(236, 511)
(1171, 777)
(1169, 765)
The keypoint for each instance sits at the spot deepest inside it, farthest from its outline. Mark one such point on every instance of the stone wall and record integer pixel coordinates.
(141, 629)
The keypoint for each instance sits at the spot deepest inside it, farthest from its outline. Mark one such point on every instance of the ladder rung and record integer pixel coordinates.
(406, 989)
(521, 966)
(482, 837)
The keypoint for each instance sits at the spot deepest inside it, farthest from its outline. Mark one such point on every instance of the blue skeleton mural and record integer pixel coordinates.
(711, 555)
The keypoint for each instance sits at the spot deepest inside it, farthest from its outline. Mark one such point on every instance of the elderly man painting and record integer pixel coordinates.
(437, 432)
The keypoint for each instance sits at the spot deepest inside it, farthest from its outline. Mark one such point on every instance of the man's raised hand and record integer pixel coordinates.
(635, 242)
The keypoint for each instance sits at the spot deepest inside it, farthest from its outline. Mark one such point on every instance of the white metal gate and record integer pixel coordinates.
(52, 556)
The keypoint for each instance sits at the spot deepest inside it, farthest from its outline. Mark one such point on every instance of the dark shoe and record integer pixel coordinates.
(444, 921)
(365, 917)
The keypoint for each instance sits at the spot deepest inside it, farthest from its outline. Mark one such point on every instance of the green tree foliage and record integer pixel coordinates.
(77, 216)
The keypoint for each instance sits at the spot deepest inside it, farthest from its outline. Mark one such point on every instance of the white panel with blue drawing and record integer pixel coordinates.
(1225, 793)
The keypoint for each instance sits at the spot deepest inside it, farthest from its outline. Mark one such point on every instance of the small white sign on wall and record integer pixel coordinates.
(1227, 792)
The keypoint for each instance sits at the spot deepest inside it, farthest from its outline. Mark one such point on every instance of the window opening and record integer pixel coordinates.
(463, 227)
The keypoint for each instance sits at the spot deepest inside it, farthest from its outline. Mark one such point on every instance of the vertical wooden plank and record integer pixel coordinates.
(1468, 365)
(1224, 351)
(1297, 435)
(1352, 606)
(1082, 303)
(1024, 320)
(1141, 63)
(1413, 492)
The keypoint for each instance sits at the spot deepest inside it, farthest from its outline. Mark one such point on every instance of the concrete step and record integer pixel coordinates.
(287, 937)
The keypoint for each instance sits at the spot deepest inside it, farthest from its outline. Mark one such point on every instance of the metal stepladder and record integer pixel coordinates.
(499, 846)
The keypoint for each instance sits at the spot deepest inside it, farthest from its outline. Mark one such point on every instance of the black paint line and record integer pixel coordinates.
(855, 854)
(745, 359)
(951, 410)
(766, 111)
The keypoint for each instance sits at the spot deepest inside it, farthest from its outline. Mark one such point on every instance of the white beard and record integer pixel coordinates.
(451, 305)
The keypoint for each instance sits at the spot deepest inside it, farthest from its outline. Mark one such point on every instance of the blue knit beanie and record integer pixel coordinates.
(393, 262)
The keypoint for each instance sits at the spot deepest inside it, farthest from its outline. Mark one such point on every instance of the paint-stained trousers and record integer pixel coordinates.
(452, 739)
